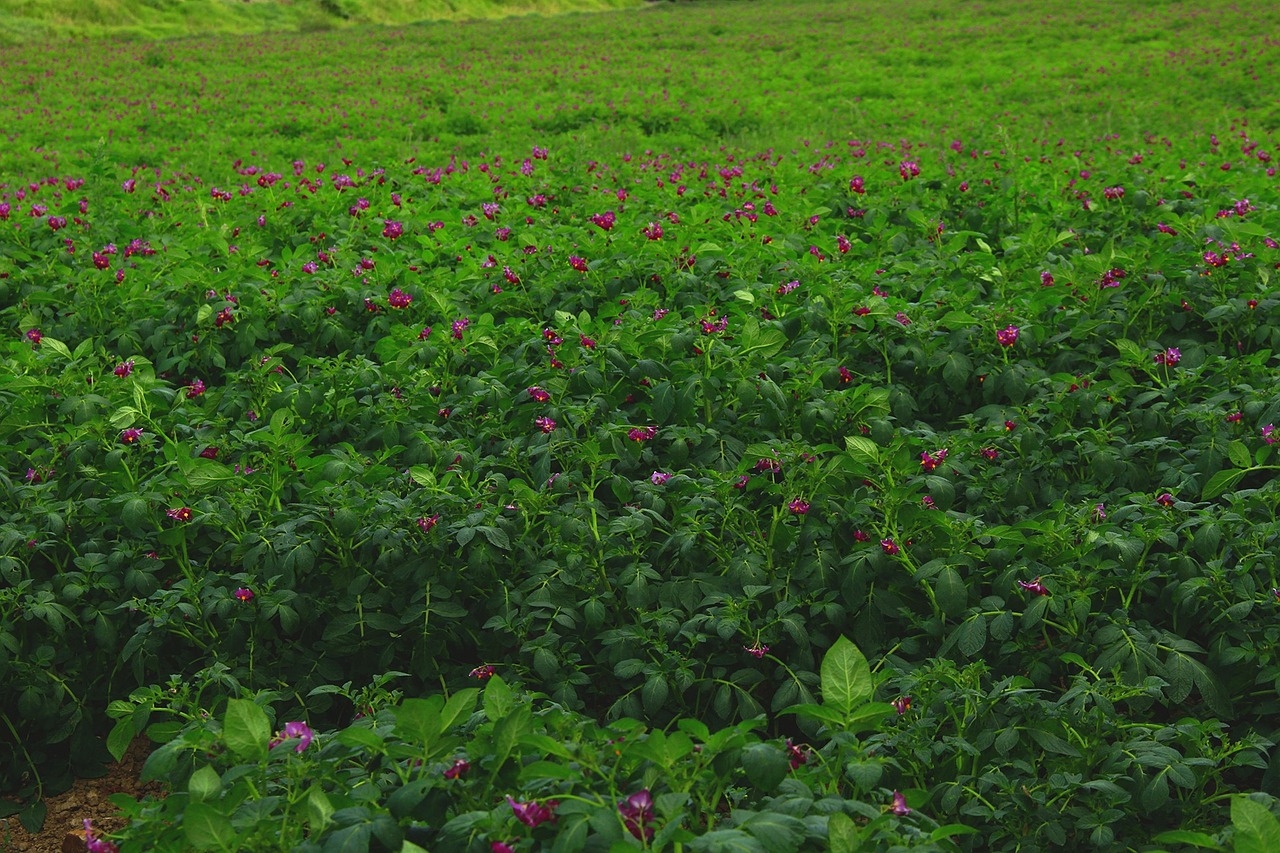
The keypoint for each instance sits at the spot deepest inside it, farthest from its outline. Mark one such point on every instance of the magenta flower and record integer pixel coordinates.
(426, 522)
(500, 847)
(1166, 499)
(181, 513)
(533, 814)
(990, 454)
(637, 812)
(295, 730)
(195, 389)
(130, 435)
(93, 843)
(1113, 193)
(1008, 336)
(902, 318)
(741, 482)
(930, 461)
(604, 221)
(244, 595)
(642, 434)
(123, 369)
(889, 547)
(796, 755)
(545, 424)
(1268, 434)
(210, 452)
(1100, 512)
(1034, 587)
(458, 326)
(1235, 417)
(861, 536)
(579, 264)
(908, 169)
(758, 650)
(1170, 356)
(35, 336)
(658, 478)
(899, 806)
(392, 230)
(398, 298)
(459, 766)
(798, 507)
(483, 671)
(902, 705)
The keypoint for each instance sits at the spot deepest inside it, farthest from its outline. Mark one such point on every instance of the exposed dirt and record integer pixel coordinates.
(63, 830)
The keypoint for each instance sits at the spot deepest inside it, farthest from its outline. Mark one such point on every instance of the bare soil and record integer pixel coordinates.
(63, 830)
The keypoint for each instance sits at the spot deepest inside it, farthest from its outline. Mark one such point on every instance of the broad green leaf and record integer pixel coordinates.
(246, 729)
(766, 765)
(842, 834)
(1221, 482)
(121, 736)
(498, 699)
(319, 809)
(1188, 837)
(862, 449)
(204, 784)
(1239, 455)
(206, 828)
(1257, 830)
(460, 704)
(846, 677)
(951, 830)
(952, 594)
(418, 721)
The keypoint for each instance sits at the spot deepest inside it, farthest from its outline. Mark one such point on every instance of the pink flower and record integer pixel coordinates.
(93, 843)
(1267, 434)
(537, 394)
(1170, 356)
(579, 264)
(1113, 193)
(124, 369)
(604, 221)
(533, 814)
(798, 507)
(902, 318)
(637, 811)
(889, 547)
(210, 452)
(459, 766)
(391, 229)
(861, 536)
(182, 513)
(658, 478)
(545, 424)
(1007, 336)
(1034, 587)
(899, 806)
(642, 434)
(902, 705)
(1235, 417)
(908, 169)
(796, 755)
(426, 522)
(990, 454)
(758, 650)
(1165, 499)
(295, 730)
(195, 389)
(398, 298)
(130, 435)
(930, 461)
(35, 336)
(1100, 512)
(500, 847)
(244, 595)
(483, 671)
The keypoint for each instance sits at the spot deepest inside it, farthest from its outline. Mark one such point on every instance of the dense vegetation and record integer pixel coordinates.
(622, 374)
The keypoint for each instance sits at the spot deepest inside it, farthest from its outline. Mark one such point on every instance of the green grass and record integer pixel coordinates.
(27, 20)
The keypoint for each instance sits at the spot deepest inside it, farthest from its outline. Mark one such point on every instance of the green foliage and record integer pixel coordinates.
(617, 379)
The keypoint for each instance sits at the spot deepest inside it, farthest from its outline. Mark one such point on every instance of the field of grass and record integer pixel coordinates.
(761, 425)
(27, 21)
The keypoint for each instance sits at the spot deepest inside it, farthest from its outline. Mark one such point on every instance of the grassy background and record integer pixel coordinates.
(24, 20)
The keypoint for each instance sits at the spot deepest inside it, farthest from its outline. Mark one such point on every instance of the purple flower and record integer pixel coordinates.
(458, 326)
(758, 650)
(545, 424)
(1034, 586)
(500, 847)
(181, 513)
(1170, 356)
(123, 369)
(195, 389)
(35, 336)
(1166, 499)
(295, 730)
(1268, 434)
(889, 547)
(902, 318)
(902, 705)
(93, 843)
(899, 806)
(579, 264)
(391, 229)
(398, 298)
(658, 478)
(798, 507)
(1100, 512)
(533, 814)
(427, 522)
(537, 394)
(483, 671)
(796, 755)
(130, 435)
(244, 595)
(637, 811)
(1008, 336)
(642, 434)
(459, 766)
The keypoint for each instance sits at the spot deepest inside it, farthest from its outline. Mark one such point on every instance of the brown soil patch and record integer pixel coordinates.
(87, 798)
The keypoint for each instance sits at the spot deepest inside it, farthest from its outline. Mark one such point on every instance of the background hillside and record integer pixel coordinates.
(25, 20)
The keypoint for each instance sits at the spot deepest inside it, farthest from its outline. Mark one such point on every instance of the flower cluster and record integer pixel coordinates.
(930, 461)
(295, 730)
(1008, 336)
